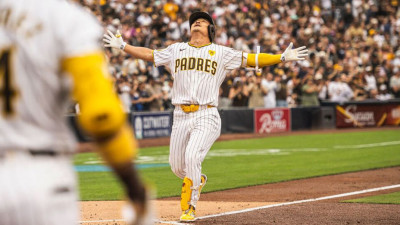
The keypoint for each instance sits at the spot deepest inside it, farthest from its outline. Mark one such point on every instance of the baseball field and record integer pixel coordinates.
(326, 177)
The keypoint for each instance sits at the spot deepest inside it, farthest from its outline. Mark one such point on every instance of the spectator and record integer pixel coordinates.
(154, 88)
(383, 93)
(134, 66)
(370, 79)
(339, 90)
(281, 91)
(171, 9)
(144, 98)
(124, 93)
(343, 38)
(166, 96)
(310, 92)
(144, 19)
(358, 87)
(294, 98)
(256, 92)
(238, 93)
(322, 87)
(395, 84)
(136, 105)
(269, 86)
(224, 100)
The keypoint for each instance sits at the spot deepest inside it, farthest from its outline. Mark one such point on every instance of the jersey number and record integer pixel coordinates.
(7, 92)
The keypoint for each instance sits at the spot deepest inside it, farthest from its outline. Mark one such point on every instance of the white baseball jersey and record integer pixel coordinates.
(339, 91)
(269, 98)
(198, 72)
(35, 37)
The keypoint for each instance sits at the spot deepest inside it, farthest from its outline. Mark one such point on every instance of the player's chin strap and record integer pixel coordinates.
(257, 69)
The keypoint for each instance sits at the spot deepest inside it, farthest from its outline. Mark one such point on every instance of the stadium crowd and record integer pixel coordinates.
(354, 49)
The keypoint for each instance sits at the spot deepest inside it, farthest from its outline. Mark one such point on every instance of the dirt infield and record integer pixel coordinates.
(316, 212)
(330, 211)
(275, 196)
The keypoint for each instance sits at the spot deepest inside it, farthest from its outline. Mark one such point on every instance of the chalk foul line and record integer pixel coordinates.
(263, 207)
(123, 220)
(302, 201)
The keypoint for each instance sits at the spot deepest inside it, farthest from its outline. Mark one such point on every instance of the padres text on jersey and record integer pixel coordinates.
(198, 64)
(198, 72)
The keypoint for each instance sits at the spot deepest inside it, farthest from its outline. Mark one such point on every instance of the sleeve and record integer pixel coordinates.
(78, 32)
(163, 57)
(232, 59)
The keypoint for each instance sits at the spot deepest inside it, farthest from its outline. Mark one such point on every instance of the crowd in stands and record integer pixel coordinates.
(354, 49)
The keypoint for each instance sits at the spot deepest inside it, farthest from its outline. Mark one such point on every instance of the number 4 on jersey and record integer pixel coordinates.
(7, 92)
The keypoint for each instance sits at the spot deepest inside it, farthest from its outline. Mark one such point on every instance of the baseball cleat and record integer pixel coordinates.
(188, 215)
(203, 183)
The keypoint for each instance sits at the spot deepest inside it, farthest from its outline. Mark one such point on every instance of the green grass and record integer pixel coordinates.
(240, 163)
(392, 198)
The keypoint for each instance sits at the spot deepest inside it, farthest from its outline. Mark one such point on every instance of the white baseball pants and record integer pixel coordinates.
(192, 136)
(37, 190)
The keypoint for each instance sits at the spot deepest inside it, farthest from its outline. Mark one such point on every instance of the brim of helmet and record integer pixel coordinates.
(197, 15)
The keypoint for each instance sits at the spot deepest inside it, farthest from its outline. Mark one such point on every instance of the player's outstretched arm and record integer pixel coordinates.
(116, 41)
(288, 55)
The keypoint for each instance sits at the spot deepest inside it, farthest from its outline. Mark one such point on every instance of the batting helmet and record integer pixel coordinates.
(204, 15)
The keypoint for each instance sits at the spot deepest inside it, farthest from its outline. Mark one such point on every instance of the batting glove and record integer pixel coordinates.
(114, 41)
(294, 54)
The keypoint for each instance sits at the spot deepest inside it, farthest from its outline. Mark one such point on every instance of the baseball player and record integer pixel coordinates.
(49, 50)
(198, 69)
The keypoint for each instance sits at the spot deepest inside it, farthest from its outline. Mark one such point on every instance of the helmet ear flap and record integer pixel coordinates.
(211, 32)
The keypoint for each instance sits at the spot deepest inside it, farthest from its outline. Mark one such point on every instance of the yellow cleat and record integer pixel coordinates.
(188, 215)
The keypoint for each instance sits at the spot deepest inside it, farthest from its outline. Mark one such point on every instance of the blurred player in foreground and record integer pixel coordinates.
(49, 49)
(198, 68)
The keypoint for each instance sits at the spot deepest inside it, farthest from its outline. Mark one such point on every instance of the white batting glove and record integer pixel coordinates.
(294, 54)
(114, 41)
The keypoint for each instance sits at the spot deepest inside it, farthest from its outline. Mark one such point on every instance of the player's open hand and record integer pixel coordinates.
(294, 54)
(114, 41)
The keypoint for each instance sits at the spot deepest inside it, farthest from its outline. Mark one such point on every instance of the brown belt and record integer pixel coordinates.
(192, 108)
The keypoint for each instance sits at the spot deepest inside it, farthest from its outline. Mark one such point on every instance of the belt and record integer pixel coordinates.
(49, 153)
(193, 108)
(34, 153)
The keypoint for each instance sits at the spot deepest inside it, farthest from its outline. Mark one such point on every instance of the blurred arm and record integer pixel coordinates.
(103, 118)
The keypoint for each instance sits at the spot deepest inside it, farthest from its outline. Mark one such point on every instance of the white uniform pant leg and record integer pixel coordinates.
(207, 128)
(37, 190)
(178, 142)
